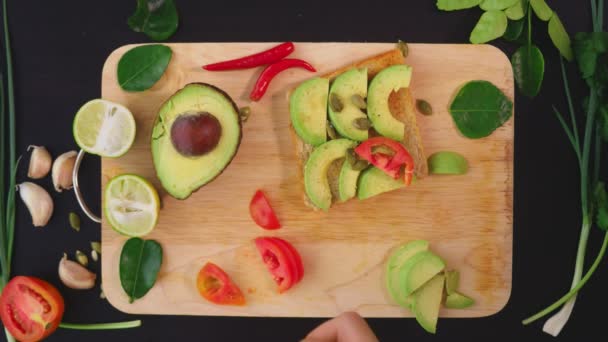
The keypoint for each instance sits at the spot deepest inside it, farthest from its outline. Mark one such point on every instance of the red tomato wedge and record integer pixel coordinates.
(391, 164)
(216, 286)
(282, 260)
(31, 309)
(262, 213)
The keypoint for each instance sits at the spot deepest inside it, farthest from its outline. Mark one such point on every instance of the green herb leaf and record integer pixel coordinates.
(518, 10)
(141, 67)
(479, 108)
(490, 26)
(514, 29)
(453, 5)
(528, 69)
(541, 9)
(491, 5)
(560, 37)
(587, 48)
(156, 18)
(140, 261)
(600, 199)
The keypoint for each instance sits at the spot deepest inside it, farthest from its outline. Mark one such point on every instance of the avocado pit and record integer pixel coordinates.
(196, 134)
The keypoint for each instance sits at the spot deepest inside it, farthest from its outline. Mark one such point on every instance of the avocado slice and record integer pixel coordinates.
(374, 181)
(447, 163)
(452, 281)
(398, 258)
(316, 183)
(387, 81)
(195, 136)
(347, 84)
(427, 302)
(347, 182)
(418, 270)
(308, 109)
(458, 301)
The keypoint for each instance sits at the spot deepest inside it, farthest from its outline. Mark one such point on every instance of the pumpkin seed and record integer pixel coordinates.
(94, 255)
(96, 246)
(358, 101)
(331, 132)
(362, 123)
(74, 221)
(360, 165)
(424, 107)
(244, 113)
(335, 103)
(82, 258)
(402, 46)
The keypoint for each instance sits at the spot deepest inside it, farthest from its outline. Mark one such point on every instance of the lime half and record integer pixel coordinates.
(131, 205)
(104, 128)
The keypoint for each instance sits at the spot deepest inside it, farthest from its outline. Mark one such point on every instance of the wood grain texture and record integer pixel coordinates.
(468, 219)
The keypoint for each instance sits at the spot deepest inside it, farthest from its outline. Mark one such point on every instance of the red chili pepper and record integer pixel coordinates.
(265, 57)
(271, 71)
(390, 164)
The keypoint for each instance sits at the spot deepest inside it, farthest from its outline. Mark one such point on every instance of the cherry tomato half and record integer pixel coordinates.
(262, 213)
(282, 260)
(31, 309)
(216, 286)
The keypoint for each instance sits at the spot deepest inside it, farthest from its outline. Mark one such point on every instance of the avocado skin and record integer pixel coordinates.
(238, 143)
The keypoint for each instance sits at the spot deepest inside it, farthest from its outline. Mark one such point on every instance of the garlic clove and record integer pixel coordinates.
(40, 162)
(74, 275)
(38, 202)
(62, 171)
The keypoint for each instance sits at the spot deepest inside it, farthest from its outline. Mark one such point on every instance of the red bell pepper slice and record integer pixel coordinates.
(261, 85)
(216, 286)
(390, 164)
(269, 56)
(262, 213)
(282, 260)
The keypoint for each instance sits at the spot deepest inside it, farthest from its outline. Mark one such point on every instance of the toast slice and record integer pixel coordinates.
(402, 107)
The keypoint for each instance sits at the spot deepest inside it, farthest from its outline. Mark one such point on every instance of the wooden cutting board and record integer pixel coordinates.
(468, 219)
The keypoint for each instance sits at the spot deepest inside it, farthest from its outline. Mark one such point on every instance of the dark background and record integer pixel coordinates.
(59, 48)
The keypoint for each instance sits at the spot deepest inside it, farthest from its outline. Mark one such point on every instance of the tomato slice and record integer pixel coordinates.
(216, 286)
(282, 260)
(262, 213)
(390, 164)
(31, 309)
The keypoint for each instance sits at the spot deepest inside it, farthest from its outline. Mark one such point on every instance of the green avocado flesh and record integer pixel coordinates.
(426, 303)
(398, 258)
(418, 270)
(308, 109)
(383, 84)
(181, 174)
(347, 182)
(374, 181)
(447, 163)
(352, 82)
(458, 301)
(452, 281)
(316, 183)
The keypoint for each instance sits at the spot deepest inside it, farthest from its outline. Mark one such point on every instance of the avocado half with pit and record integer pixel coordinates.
(195, 136)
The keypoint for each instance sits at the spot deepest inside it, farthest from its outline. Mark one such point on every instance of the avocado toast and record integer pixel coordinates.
(328, 173)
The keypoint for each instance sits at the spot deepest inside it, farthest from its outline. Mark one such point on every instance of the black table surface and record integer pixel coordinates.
(59, 49)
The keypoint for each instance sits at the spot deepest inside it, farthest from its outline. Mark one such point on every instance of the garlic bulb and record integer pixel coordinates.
(40, 162)
(38, 202)
(74, 275)
(62, 171)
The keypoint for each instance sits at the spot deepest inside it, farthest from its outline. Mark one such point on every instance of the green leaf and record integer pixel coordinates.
(560, 37)
(156, 18)
(514, 29)
(490, 26)
(141, 67)
(453, 5)
(140, 262)
(518, 10)
(528, 69)
(600, 199)
(479, 108)
(541, 9)
(587, 48)
(491, 5)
